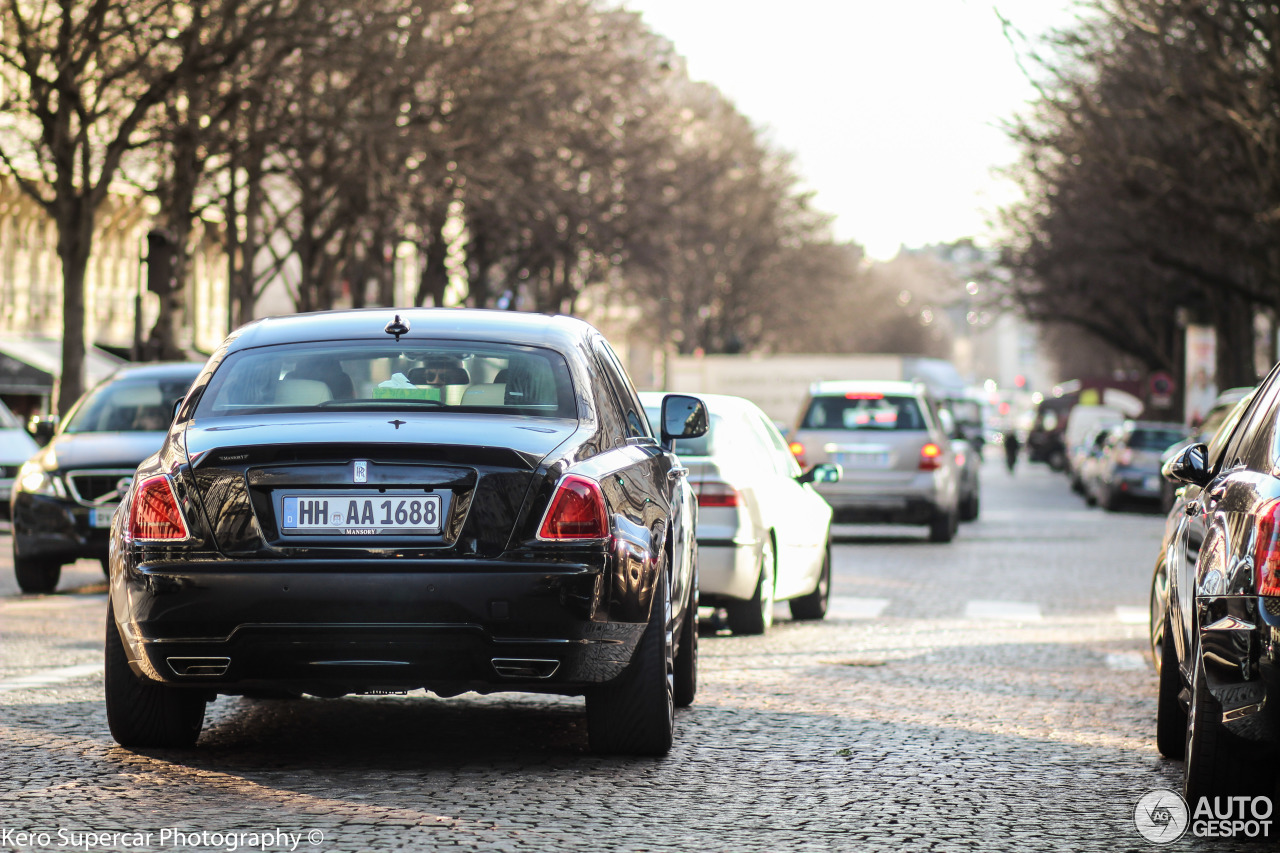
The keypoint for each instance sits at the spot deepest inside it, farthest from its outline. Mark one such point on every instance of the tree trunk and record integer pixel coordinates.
(434, 278)
(75, 241)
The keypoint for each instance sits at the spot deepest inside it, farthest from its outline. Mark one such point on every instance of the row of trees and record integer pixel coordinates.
(558, 143)
(1151, 167)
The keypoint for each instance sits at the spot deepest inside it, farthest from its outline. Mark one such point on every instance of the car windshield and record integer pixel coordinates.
(864, 412)
(703, 445)
(358, 375)
(1155, 439)
(130, 404)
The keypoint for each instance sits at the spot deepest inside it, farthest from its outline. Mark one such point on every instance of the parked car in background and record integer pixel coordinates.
(899, 466)
(1083, 424)
(1128, 471)
(764, 534)
(64, 496)
(1085, 461)
(1215, 605)
(16, 446)
(317, 521)
(968, 455)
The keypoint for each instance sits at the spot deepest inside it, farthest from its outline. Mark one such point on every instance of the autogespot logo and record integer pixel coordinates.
(1161, 816)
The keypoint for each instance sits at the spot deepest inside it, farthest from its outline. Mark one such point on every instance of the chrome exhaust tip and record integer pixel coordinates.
(536, 668)
(199, 666)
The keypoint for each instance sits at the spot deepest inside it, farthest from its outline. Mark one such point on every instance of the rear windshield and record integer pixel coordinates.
(130, 405)
(875, 412)
(363, 376)
(703, 445)
(1155, 439)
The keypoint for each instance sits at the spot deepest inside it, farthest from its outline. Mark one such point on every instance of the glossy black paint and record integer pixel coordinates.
(1205, 592)
(331, 615)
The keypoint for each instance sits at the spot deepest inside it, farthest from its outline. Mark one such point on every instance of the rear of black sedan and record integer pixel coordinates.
(362, 502)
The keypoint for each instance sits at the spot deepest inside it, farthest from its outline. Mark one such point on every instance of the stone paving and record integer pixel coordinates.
(925, 728)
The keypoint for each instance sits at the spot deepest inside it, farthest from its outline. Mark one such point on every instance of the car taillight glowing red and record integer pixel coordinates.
(576, 511)
(717, 494)
(154, 513)
(797, 450)
(1266, 549)
(930, 457)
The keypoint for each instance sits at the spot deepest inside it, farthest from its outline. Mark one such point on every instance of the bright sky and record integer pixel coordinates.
(892, 107)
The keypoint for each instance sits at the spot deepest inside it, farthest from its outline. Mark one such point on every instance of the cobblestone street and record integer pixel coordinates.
(989, 694)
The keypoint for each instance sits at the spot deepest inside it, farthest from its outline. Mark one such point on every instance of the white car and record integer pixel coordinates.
(764, 533)
(16, 447)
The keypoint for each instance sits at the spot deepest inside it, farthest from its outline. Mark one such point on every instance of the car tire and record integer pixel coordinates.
(1171, 717)
(36, 575)
(635, 714)
(1110, 500)
(142, 713)
(686, 664)
(969, 508)
(943, 526)
(1216, 762)
(756, 615)
(814, 605)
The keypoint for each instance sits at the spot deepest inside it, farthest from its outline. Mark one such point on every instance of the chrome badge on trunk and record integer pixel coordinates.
(361, 472)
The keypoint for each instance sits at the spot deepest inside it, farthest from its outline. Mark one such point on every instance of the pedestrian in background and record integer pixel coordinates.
(1011, 447)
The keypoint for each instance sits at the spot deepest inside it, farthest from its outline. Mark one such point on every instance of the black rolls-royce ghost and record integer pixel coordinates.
(1215, 606)
(372, 502)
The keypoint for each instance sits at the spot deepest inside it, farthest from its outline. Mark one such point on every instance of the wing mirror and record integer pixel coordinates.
(1190, 465)
(43, 428)
(682, 417)
(825, 472)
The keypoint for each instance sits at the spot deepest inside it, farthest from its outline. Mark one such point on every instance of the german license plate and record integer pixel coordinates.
(100, 516)
(360, 515)
(1151, 484)
(863, 461)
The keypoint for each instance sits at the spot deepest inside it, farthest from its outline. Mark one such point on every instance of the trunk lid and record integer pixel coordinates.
(363, 484)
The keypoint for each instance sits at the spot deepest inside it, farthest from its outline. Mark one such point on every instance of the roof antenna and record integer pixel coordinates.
(397, 327)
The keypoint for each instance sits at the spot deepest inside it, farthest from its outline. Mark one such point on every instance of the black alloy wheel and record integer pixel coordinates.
(754, 617)
(36, 575)
(142, 713)
(814, 605)
(635, 714)
(944, 525)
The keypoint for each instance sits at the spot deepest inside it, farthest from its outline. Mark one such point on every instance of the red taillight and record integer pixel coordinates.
(155, 513)
(576, 511)
(717, 494)
(863, 395)
(797, 450)
(930, 457)
(1266, 549)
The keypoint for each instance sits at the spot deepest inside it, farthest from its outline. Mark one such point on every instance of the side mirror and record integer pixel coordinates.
(1190, 465)
(822, 473)
(683, 417)
(43, 428)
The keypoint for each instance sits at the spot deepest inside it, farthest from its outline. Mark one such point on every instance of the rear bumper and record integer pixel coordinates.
(915, 502)
(234, 628)
(1137, 484)
(727, 570)
(1240, 650)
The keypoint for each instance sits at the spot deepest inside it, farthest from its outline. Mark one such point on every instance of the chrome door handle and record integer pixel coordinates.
(677, 473)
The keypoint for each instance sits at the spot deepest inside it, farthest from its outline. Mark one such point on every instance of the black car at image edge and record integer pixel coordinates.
(64, 496)
(374, 502)
(1215, 606)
